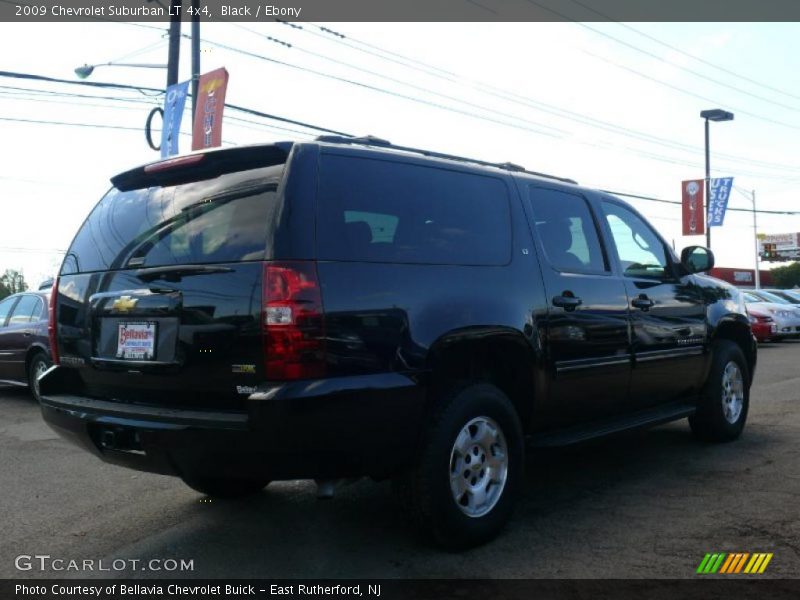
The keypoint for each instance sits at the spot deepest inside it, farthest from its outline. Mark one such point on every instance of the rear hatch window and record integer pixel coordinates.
(224, 220)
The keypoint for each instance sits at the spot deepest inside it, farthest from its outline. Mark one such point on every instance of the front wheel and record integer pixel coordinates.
(722, 409)
(470, 469)
(225, 487)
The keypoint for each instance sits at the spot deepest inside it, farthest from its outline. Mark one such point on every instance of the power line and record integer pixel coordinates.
(398, 81)
(432, 70)
(373, 87)
(143, 90)
(662, 59)
(687, 54)
(661, 200)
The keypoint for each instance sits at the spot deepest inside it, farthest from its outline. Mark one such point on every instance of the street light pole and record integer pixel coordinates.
(715, 114)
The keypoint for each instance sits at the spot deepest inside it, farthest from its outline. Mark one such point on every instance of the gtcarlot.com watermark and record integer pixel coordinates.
(46, 562)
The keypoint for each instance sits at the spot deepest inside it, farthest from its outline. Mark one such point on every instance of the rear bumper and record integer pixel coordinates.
(342, 427)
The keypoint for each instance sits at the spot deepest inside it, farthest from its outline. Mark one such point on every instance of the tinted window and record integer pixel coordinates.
(5, 308)
(751, 298)
(25, 310)
(567, 230)
(381, 211)
(640, 251)
(216, 220)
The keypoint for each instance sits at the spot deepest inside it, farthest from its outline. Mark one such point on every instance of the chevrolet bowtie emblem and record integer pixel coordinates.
(124, 304)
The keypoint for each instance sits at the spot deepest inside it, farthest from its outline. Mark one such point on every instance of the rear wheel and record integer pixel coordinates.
(225, 487)
(38, 365)
(470, 470)
(722, 410)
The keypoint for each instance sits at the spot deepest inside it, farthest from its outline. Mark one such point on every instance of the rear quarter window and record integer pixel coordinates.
(382, 211)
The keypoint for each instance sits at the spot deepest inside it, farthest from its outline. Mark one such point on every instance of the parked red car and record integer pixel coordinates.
(763, 325)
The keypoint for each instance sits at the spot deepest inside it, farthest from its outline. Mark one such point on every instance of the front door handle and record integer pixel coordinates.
(643, 302)
(567, 302)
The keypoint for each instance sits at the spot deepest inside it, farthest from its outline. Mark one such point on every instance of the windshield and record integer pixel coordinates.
(211, 221)
(768, 297)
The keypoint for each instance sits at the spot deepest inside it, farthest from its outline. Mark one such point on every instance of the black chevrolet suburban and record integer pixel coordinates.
(345, 307)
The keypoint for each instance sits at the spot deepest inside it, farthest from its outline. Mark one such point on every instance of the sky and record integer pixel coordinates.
(612, 105)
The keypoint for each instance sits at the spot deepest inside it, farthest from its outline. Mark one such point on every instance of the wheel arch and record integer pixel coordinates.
(498, 355)
(735, 329)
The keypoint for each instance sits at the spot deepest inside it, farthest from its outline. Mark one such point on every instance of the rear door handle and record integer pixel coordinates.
(567, 302)
(643, 302)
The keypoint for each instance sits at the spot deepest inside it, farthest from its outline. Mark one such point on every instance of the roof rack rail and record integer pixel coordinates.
(370, 140)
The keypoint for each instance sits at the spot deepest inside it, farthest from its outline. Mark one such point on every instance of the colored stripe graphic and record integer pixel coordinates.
(722, 563)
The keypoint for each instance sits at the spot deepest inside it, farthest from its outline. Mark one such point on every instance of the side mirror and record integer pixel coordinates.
(696, 259)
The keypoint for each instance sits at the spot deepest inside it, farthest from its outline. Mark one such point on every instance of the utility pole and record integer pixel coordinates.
(755, 234)
(175, 12)
(195, 53)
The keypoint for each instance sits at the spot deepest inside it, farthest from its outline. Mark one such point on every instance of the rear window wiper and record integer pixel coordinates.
(176, 272)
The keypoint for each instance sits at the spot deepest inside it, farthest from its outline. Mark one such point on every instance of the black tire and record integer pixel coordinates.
(712, 422)
(225, 487)
(38, 363)
(426, 489)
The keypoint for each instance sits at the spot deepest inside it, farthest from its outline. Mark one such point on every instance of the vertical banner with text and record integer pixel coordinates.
(692, 197)
(174, 104)
(718, 192)
(211, 88)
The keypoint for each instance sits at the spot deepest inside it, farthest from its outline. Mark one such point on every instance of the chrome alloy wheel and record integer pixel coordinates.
(732, 392)
(478, 467)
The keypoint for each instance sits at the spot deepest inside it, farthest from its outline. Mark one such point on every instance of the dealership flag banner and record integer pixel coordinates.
(718, 193)
(207, 131)
(692, 197)
(174, 103)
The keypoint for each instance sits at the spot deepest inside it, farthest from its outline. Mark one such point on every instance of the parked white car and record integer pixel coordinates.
(786, 316)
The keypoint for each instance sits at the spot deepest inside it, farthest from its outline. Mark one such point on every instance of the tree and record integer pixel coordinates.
(788, 276)
(12, 282)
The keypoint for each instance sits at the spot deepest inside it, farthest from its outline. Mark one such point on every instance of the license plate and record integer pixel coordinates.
(137, 341)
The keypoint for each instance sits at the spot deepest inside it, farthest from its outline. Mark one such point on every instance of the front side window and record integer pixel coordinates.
(641, 252)
(567, 231)
(384, 211)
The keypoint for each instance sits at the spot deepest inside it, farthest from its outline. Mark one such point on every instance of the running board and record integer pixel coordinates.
(602, 428)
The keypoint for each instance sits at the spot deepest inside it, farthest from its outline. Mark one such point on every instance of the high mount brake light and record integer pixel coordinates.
(293, 321)
(174, 163)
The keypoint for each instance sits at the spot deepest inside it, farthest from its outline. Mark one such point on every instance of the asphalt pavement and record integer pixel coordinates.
(643, 505)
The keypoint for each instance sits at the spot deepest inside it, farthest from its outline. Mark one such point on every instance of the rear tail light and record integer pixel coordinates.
(52, 331)
(293, 321)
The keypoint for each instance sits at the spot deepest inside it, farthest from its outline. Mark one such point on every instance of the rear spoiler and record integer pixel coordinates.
(199, 166)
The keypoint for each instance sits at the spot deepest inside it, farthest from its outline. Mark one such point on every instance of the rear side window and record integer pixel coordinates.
(381, 211)
(26, 311)
(567, 230)
(218, 220)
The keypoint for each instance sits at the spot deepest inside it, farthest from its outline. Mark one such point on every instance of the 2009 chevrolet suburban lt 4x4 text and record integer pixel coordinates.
(345, 307)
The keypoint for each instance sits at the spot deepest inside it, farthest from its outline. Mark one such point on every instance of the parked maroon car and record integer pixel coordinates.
(762, 324)
(24, 343)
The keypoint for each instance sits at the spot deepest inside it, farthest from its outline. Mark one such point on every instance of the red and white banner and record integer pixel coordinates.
(694, 222)
(207, 132)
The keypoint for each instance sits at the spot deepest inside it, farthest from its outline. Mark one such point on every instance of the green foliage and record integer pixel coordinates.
(12, 282)
(788, 276)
